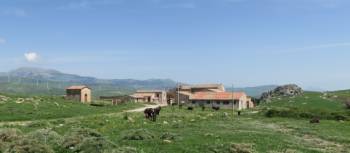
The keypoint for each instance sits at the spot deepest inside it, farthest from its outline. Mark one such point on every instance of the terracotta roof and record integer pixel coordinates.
(149, 91)
(141, 95)
(216, 95)
(77, 87)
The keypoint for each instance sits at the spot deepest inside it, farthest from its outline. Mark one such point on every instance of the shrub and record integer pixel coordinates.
(168, 136)
(232, 148)
(347, 104)
(93, 145)
(39, 124)
(28, 146)
(308, 114)
(8, 136)
(85, 140)
(123, 150)
(140, 134)
(46, 136)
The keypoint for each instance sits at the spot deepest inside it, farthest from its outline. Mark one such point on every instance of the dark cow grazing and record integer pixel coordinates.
(190, 108)
(315, 120)
(151, 113)
(239, 113)
(216, 108)
(157, 110)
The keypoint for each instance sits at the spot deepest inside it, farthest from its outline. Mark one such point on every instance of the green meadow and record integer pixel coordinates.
(107, 129)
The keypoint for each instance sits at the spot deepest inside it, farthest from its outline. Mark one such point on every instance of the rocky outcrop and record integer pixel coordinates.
(282, 91)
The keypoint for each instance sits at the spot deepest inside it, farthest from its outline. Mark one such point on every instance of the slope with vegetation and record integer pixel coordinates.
(177, 130)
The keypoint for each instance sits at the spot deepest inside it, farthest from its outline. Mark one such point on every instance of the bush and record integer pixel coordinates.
(168, 136)
(123, 150)
(93, 145)
(85, 140)
(232, 148)
(39, 124)
(28, 146)
(347, 104)
(8, 136)
(308, 114)
(140, 134)
(46, 136)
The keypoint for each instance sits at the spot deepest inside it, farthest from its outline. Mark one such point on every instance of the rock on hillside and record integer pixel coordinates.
(282, 91)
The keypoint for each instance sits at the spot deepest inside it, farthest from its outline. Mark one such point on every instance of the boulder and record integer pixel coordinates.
(289, 90)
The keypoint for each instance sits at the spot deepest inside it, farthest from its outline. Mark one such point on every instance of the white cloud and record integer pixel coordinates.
(2, 40)
(31, 56)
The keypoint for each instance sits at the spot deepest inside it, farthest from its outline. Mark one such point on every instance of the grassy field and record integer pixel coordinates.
(181, 130)
(14, 108)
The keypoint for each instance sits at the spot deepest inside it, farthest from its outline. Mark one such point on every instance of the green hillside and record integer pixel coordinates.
(51, 124)
(17, 108)
(37, 81)
(310, 104)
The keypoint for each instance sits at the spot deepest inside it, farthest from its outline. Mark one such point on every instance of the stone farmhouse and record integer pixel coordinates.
(150, 96)
(210, 95)
(79, 93)
(236, 100)
(185, 91)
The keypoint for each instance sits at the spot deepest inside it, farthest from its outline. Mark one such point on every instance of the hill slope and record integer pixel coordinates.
(36, 81)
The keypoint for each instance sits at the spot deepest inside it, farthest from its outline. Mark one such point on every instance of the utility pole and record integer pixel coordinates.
(178, 94)
(233, 101)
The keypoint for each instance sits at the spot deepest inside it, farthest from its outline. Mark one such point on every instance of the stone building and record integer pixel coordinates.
(185, 91)
(79, 93)
(236, 100)
(150, 96)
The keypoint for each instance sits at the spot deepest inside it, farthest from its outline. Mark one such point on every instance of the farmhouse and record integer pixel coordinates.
(202, 88)
(185, 91)
(151, 96)
(79, 93)
(237, 100)
(116, 99)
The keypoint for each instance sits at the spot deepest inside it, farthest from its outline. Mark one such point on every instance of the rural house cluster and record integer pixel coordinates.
(203, 95)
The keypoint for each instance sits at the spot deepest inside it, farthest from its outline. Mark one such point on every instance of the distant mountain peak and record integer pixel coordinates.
(34, 72)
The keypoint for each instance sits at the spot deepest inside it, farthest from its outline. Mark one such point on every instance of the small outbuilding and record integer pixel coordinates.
(150, 96)
(79, 93)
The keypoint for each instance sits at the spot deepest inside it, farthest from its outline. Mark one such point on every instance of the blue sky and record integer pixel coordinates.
(245, 42)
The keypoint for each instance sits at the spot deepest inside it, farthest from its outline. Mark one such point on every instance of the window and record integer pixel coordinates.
(217, 102)
(226, 102)
(208, 102)
(193, 102)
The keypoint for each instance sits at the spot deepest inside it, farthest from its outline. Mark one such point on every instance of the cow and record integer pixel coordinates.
(151, 113)
(216, 108)
(315, 120)
(157, 110)
(190, 108)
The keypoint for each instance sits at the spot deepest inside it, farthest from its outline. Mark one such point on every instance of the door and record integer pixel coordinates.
(86, 98)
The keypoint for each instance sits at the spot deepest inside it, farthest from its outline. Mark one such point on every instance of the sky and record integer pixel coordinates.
(240, 42)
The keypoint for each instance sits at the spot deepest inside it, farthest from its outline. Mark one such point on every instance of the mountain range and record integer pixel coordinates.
(38, 81)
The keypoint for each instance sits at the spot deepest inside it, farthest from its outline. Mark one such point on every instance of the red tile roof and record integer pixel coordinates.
(77, 87)
(217, 95)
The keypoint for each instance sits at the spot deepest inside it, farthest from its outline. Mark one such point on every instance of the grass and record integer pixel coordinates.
(197, 131)
(311, 104)
(39, 108)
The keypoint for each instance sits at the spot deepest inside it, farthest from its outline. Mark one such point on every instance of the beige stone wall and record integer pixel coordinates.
(85, 95)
